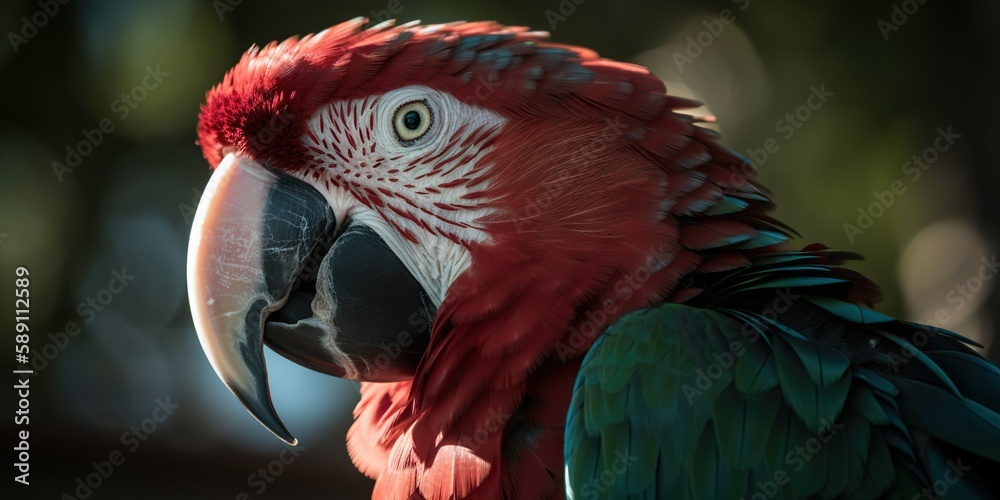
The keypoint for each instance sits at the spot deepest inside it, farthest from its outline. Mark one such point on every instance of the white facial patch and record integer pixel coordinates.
(423, 196)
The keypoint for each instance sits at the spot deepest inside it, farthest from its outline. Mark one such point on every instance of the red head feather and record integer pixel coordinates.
(604, 199)
(261, 106)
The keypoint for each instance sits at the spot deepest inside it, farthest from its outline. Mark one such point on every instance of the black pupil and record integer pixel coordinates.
(411, 120)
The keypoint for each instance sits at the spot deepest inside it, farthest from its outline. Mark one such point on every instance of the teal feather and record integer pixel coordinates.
(910, 349)
(825, 365)
(763, 239)
(714, 477)
(968, 371)
(933, 330)
(876, 381)
(961, 422)
(723, 393)
(850, 312)
(756, 372)
(812, 403)
(643, 431)
(726, 242)
(864, 402)
(778, 442)
(879, 470)
(795, 282)
(854, 445)
(742, 425)
(768, 271)
(783, 258)
(728, 205)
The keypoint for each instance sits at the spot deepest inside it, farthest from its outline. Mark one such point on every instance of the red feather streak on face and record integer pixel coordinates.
(596, 185)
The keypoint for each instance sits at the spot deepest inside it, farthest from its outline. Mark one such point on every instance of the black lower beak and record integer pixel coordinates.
(359, 314)
(362, 316)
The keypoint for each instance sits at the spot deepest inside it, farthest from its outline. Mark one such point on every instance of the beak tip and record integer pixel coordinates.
(282, 433)
(278, 429)
(258, 403)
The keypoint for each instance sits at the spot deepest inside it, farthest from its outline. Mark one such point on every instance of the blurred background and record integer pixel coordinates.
(874, 123)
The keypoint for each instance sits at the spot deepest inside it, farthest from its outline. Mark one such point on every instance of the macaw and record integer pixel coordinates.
(551, 281)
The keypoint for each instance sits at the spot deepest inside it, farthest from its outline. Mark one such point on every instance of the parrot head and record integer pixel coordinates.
(436, 206)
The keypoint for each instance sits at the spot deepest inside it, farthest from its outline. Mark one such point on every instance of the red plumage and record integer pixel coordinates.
(484, 414)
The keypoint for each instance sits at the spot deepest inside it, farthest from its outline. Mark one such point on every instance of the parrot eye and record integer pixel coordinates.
(412, 121)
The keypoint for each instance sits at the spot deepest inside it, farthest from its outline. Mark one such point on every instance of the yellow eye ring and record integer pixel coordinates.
(412, 121)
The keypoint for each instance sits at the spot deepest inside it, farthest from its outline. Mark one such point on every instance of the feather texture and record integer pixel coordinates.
(788, 391)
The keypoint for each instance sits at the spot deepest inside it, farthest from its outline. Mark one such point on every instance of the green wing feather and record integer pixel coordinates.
(772, 385)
